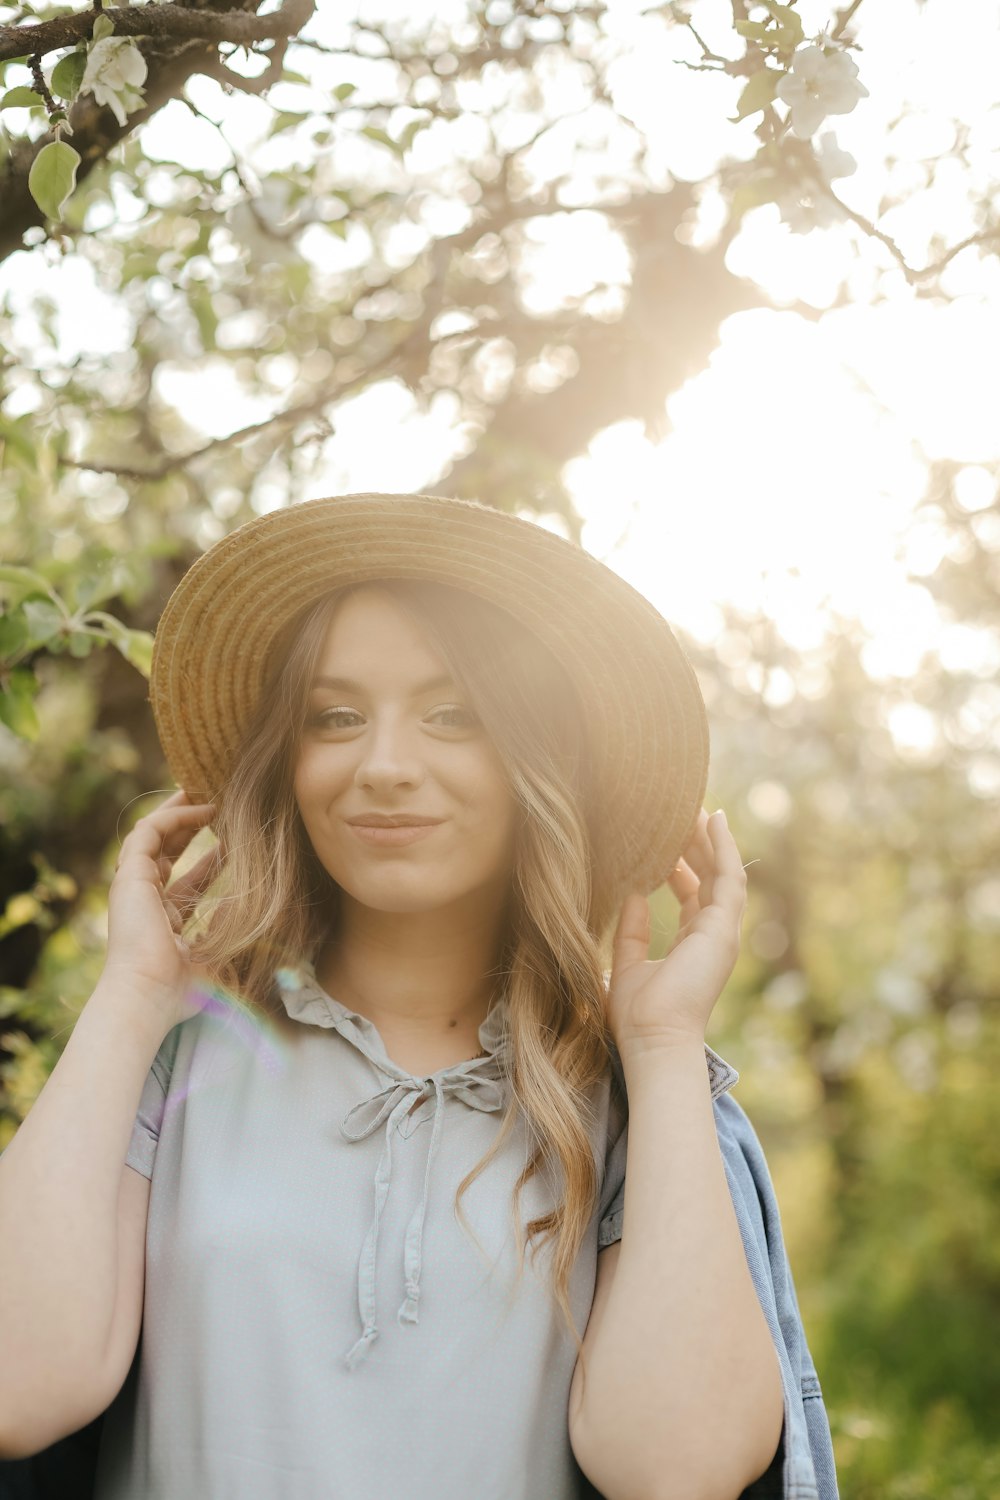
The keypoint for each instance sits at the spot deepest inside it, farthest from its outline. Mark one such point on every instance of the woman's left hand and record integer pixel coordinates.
(653, 1003)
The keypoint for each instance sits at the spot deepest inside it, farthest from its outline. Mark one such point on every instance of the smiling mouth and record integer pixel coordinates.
(402, 833)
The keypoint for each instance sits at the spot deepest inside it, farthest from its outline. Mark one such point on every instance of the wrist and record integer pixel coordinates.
(665, 1052)
(147, 1011)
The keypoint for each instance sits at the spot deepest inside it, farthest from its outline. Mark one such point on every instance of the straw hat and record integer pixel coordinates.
(639, 693)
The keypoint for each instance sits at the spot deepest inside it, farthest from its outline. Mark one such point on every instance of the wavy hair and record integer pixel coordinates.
(273, 901)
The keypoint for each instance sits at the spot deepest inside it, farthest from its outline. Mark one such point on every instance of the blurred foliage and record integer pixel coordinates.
(863, 1012)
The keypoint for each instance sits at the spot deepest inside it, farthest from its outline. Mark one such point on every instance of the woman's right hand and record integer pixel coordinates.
(146, 953)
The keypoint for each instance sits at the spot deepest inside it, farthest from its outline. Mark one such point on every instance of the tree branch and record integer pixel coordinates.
(990, 236)
(162, 22)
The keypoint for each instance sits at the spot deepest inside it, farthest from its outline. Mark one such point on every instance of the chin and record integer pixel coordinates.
(405, 891)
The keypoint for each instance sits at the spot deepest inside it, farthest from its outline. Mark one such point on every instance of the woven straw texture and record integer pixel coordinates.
(644, 709)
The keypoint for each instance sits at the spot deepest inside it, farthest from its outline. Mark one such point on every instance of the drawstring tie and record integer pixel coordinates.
(479, 1092)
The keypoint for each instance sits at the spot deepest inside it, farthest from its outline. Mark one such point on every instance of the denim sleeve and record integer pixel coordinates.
(803, 1467)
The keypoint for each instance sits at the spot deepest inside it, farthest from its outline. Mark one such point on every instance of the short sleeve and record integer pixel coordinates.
(152, 1102)
(612, 1199)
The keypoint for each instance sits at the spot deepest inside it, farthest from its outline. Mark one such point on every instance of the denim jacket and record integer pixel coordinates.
(803, 1467)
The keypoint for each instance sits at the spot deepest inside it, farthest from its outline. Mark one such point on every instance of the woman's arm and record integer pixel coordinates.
(683, 1395)
(64, 1223)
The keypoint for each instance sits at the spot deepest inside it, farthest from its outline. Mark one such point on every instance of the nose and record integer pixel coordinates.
(388, 757)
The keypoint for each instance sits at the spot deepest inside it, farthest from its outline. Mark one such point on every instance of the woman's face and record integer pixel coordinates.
(384, 738)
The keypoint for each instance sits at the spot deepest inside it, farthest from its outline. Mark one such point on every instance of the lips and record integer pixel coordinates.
(391, 836)
(379, 820)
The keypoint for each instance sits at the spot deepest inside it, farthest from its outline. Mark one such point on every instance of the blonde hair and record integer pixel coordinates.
(274, 902)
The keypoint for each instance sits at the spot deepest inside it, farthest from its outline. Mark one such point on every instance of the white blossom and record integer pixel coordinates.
(803, 210)
(831, 160)
(818, 84)
(114, 74)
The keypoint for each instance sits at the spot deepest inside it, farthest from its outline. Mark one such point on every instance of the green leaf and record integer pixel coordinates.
(208, 319)
(14, 633)
(23, 581)
(67, 75)
(288, 76)
(756, 30)
(17, 709)
(14, 435)
(81, 643)
(93, 588)
(382, 136)
(137, 647)
(298, 280)
(103, 26)
(760, 91)
(787, 38)
(201, 244)
(45, 621)
(136, 264)
(344, 90)
(53, 177)
(287, 119)
(790, 31)
(20, 98)
(410, 131)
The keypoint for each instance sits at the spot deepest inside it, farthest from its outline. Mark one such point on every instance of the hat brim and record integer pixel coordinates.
(645, 712)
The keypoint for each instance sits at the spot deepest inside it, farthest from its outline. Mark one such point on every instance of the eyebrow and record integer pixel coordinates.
(348, 685)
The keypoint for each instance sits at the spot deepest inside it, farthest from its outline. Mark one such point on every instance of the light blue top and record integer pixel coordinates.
(318, 1325)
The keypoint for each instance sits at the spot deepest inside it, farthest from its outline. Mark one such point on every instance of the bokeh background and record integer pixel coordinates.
(544, 256)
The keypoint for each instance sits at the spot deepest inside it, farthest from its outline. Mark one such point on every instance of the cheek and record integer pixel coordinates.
(310, 781)
(500, 807)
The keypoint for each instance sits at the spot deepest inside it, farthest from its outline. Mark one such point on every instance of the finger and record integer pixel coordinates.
(174, 916)
(150, 863)
(186, 891)
(700, 853)
(686, 887)
(683, 881)
(631, 941)
(166, 831)
(709, 855)
(695, 887)
(730, 876)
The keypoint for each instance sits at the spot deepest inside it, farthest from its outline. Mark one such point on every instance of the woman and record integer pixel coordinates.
(439, 1186)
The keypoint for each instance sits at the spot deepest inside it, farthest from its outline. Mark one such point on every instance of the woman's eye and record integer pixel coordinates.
(327, 716)
(455, 708)
(324, 719)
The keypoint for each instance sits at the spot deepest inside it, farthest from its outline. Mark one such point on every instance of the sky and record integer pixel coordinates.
(796, 458)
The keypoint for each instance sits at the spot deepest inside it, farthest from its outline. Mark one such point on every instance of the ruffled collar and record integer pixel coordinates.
(305, 1000)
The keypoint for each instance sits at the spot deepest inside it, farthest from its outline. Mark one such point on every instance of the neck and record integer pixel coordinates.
(415, 975)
